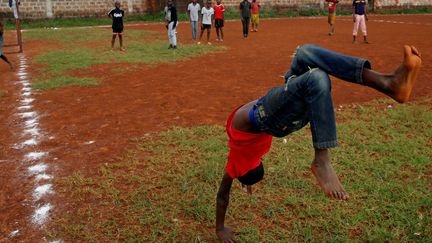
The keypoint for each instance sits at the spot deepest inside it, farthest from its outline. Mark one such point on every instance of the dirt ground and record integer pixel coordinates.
(201, 90)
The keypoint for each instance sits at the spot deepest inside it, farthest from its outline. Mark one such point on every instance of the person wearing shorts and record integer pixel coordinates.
(219, 19)
(207, 13)
(255, 15)
(117, 14)
(331, 14)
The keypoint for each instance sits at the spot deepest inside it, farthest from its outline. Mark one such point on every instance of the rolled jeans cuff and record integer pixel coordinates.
(325, 145)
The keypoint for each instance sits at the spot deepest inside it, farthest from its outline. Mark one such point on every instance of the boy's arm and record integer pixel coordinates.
(222, 200)
(366, 7)
(353, 12)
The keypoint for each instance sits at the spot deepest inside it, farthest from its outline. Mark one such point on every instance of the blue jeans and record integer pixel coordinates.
(306, 95)
(194, 26)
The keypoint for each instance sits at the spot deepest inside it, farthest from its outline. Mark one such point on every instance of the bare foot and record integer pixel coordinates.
(406, 74)
(328, 179)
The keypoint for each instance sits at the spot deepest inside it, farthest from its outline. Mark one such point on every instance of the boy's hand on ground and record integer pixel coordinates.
(225, 235)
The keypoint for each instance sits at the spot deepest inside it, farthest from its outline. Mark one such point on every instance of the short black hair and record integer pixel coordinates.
(253, 176)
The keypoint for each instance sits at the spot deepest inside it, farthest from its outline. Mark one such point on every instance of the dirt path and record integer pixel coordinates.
(95, 125)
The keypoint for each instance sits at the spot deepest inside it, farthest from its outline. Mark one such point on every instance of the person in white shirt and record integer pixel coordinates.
(207, 19)
(192, 10)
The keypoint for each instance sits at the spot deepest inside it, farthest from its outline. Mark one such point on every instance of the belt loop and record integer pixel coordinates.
(286, 84)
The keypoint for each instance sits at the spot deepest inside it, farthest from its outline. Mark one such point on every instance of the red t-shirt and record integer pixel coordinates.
(255, 8)
(332, 6)
(218, 11)
(246, 149)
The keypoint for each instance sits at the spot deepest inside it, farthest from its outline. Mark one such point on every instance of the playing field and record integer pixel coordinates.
(114, 176)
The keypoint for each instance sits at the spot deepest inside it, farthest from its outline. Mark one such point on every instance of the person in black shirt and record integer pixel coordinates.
(171, 23)
(117, 15)
(245, 14)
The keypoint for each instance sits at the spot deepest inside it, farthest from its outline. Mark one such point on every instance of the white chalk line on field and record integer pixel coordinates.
(32, 136)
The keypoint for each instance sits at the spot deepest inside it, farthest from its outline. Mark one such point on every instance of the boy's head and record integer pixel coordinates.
(218, 1)
(208, 3)
(170, 3)
(253, 176)
(117, 4)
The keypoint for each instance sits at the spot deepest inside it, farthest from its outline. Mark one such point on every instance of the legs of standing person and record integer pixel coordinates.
(356, 26)
(201, 34)
(245, 23)
(113, 40)
(208, 35)
(194, 29)
(363, 28)
(217, 33)
(120, 35)
(243, 27)
(331, 20)
(247, 20)
(4, 58)
(172, 35)
(255, 22)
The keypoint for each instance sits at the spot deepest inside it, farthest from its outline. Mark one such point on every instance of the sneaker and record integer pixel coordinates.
(174, 47)
(221, 40)
(209, 43)
(170, 46)
(122, 49)
(199, 43)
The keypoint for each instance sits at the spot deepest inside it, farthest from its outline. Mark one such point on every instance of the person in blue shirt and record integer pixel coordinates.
(360, 18)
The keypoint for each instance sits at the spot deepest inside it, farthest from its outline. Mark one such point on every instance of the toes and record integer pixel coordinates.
(407, 51)
(338, 195)
(415, 51)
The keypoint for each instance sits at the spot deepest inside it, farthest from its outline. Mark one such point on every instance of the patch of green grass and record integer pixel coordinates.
(61, 81)
(165, 189)
(73, 53)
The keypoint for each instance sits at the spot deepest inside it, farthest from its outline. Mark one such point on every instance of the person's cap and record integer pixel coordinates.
(253, 176)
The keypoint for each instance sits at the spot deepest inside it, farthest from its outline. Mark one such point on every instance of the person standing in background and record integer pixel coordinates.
(193, 15)
(245, 14)
(219, 19)
(360, 18)
(332, 14)
(255, 15)
(171, 24)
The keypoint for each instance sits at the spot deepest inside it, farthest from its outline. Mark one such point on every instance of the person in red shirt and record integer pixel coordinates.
(304, 98)
(331, 14)
(219, 19)
(255, 15)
